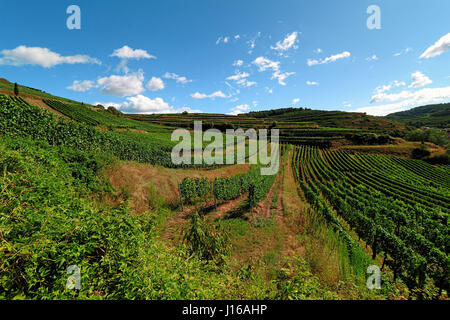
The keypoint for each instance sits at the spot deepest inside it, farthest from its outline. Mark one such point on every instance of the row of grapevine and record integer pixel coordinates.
(71, 112)
(227, 188)
(405, 223)
(23, 120)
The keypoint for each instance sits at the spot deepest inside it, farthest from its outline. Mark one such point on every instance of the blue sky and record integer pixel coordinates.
(231, 56)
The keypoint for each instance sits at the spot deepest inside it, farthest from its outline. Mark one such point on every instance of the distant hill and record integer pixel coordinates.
(336, 119)
(433, 115)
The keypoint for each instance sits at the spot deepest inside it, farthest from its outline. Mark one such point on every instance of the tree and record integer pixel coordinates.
(16, 89)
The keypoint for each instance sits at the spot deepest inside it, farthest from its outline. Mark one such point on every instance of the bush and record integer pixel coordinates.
(207, 241)
(420, 153)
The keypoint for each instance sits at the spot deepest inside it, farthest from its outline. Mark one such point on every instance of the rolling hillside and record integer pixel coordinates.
(85, 186)
(433, 115)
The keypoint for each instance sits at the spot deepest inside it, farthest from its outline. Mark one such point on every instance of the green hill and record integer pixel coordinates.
(433, 115)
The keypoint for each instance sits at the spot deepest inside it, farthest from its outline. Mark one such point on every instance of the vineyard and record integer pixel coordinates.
(399, 207)
(333, 212)
(222, 189)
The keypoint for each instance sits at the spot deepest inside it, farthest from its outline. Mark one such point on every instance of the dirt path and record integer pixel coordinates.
(290, 211)
(264, 207)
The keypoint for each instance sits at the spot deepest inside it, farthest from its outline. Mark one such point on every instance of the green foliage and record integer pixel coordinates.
(430, 135)
(390, 204)
(434, 115)
(22, 120)
(46, 225)
(193, 188)
(298, 283)
(207, 241)
(114, 111)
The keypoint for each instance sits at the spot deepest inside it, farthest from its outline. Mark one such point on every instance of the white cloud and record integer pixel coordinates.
(419, 80)
(122, 66)
(179, 79)
(372, 58)
(237, 37)
(263, 64)
(287, 43)
(240, 78)
(128, 53)
(217, 94)
(239, 109)
(442, 45)
(252, 42)
(225, 39)
(155, 84)
(387, 87)
(23, 55)
(318, 50)
(333, 58)
(404, 51)
(281, 76)
(312, 83)
(82, 86)
(144, 105)
(108, 104)
(238, 63)
(384, 109)
(390, 97)
(295, 101)
(122, 85)
(405, 100)
(346, 104)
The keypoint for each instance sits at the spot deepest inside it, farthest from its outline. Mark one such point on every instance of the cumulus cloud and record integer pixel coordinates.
(312, 83)
(333, 58)
(128, 53)
(82, 86)
(122, 85)
(295, 101)
(155, 84)
(264, 64)
(419, 80)
(239, 109)
(179, 79)
(145, 105)
(406, 99)
(372, 58)
(438, 48)
(23, 55)
(287, 43)
(212, 96)
(238, 63)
